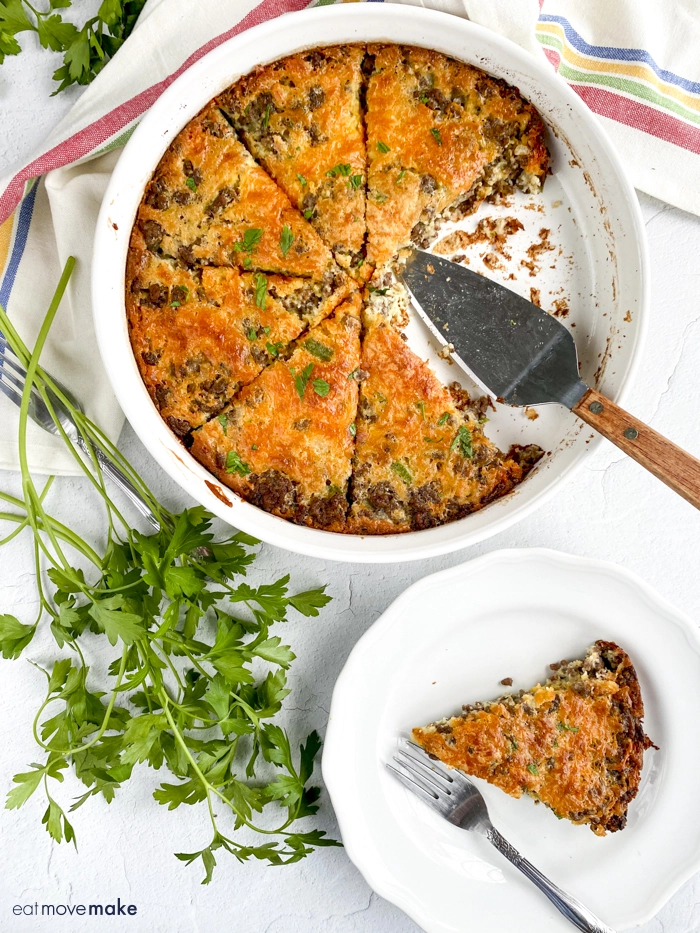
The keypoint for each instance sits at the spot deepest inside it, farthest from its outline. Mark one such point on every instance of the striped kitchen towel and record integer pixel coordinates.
(634, 62)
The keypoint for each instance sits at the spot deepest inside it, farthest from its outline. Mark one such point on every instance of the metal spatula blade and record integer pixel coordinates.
(519, 352)
(524, 356)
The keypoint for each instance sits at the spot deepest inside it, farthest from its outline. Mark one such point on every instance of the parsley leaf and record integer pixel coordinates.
(286, 239)
(250, 240)
(444, 417)
(319, 349)
(354, 182)
(343, 169)
(321, 387)
(274, 349)
(260, 290)
(234, 464)
(382, 147)
(302, 379)
(353, 429)
(302, 181)
(402, 471)
(436, 135)
(191, 183)
(463, 442)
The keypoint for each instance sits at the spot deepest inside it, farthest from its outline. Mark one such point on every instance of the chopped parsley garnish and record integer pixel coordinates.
(433, 440)
(402, 471)
(247, 262)
(301, 380)
(463, 443)
(321, 387)
(274, 349)
(562, 727)
(191, 183)
(180, 294)
(252, 334)
(353, 374)
(223, 421)
(260, 290)
(343, 169)
(376, 291)
(443, 417)
(421, 408)
(266, 118)
(436, 135)
(302, 181)
(250, 240)
(532, 768)
(254, 447)
(234, 464)
(286, 239)
(266, 331)
(382, 147)
(308, 214)
(423, 99)
(354, 182)
(319, 349)
(360, 263)
(353, 429)
(400, 176)
(381, 198)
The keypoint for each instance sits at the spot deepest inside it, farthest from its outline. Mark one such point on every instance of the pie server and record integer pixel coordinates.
(525, 356)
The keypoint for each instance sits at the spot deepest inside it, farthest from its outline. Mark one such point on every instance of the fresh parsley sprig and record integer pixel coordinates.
(86, 49)
(198, 679)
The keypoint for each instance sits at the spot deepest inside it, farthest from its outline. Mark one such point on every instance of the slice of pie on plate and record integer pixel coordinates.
(441, 135)
(301, 118)
(421, 457)
(575, 743)
(210, 203)
(286, 441)
(201, 334)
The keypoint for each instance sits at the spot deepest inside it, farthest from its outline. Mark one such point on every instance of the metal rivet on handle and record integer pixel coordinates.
(631, 434)
(596, 408)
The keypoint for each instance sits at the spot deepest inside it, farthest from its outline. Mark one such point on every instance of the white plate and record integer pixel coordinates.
(449, 640)
(599, 264)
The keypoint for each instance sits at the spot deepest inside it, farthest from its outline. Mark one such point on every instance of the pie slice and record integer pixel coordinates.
(441, 135)
(286, 442)
(301, 119)
(200, 334)
(575, 744)
(421, 457)
(210, 203)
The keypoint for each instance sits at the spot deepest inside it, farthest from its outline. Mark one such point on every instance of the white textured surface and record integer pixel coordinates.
(614, 510)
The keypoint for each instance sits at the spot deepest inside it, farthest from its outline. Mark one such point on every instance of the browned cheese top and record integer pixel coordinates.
(577, 748)
(210, 203)
(301, 119)
(286, 442)
(419, 460)
(433, 125)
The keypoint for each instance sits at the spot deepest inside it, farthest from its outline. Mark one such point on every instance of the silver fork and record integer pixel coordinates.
(12, 381)
(457, 800)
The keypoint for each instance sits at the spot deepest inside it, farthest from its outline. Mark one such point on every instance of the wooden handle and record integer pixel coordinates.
(665, 460)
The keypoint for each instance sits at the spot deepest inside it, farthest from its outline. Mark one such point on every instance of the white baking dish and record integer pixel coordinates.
(599, 264)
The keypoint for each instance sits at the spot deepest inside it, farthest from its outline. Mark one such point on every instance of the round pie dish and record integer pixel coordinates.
(598, 266)
(403, 673)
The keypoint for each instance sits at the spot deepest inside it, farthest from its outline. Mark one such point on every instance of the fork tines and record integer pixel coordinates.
(427, 779)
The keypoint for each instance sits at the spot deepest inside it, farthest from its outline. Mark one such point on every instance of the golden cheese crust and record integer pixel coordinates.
(301, 118)
(420, 461)
(200, 334)
(209, 203)
(267, 212)
(286, 442)
(441, 134)
(575, 744)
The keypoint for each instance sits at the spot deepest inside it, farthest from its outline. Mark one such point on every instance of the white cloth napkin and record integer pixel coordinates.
(635, 63)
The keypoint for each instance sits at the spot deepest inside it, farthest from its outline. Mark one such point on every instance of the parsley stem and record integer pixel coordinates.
(83, 747)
